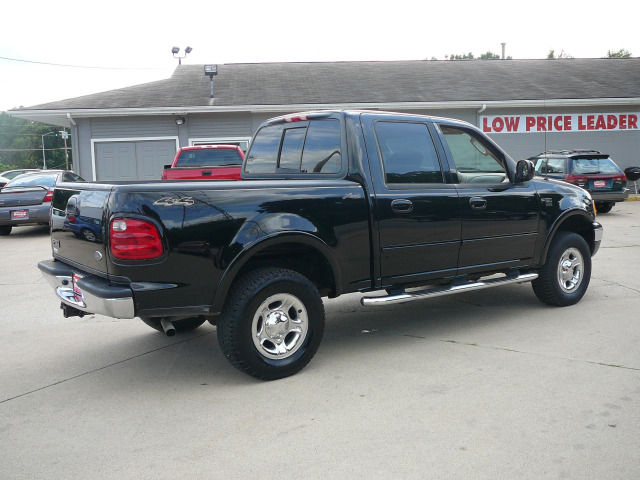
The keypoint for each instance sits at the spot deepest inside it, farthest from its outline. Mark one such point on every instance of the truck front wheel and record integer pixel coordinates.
(564, 278)
(272, 323)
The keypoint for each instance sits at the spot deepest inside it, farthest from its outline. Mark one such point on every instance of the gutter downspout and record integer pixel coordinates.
(484, 107)
(74, 141)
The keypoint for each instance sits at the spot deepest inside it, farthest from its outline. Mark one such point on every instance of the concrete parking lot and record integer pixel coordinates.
(485, 385)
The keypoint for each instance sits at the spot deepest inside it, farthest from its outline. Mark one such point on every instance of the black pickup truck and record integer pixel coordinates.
(330, 202)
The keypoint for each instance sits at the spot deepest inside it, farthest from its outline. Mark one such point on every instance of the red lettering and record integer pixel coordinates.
(600, 123)
(557, 123)
(612, 122)
(623, 122)
(541, 123)
(530, 122)
(512, 123)
(485, 125)
(590, 120)
(497, 124)
(633, 121)
(581, 124)
(567, 122)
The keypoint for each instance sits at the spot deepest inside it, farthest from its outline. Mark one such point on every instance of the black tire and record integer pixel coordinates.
(272, 323)
(5, 229)
(88, 235)
(184, 325)
(604, 207)
(564, 278)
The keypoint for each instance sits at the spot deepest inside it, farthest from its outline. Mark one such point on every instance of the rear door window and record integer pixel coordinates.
(408, 153)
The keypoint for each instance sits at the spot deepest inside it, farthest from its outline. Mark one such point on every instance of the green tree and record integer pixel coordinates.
(562, 55)
(622, 53)
(21, 144)
(470, 56)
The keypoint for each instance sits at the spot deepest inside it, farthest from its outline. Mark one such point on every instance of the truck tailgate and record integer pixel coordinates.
(78, 228)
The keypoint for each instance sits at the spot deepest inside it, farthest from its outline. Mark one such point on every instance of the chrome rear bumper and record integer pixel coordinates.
(91, 295)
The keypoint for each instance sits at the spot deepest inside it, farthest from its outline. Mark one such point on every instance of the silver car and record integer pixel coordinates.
(26, 200)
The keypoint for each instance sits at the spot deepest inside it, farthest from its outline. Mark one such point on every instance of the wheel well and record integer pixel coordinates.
(576, 224)
(301, 258)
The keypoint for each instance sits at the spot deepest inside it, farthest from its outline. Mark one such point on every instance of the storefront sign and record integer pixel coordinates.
(577, 122)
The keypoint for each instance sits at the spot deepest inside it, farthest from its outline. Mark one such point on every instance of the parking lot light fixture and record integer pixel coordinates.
(176, 50)
(211, 71)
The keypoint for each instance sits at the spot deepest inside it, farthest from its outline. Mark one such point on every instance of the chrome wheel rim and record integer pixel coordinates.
(570, 270)
(280, 326)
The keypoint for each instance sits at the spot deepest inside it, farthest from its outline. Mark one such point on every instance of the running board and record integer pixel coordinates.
(447, 290)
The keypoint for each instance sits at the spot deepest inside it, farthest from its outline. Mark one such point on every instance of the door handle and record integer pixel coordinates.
(478, 203)
(206, 173)
(401, 205)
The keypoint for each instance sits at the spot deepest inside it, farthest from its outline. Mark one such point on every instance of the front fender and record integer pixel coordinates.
(575, 220)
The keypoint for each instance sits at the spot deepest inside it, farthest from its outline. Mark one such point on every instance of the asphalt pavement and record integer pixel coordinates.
(484, 385)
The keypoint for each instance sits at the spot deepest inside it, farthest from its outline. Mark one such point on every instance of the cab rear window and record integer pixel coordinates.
(211, 157)
(304, 147)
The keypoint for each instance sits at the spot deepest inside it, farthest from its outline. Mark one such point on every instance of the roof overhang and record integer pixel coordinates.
(65, 117)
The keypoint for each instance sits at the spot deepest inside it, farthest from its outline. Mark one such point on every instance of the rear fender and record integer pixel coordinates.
(253, 249)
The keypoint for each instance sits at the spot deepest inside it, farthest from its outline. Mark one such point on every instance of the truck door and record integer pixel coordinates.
(499, 218)
(417, 212)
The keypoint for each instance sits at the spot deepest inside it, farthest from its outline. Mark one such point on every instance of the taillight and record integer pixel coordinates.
(134, 239)
(580, 181)
(48, 197)
(621, 179)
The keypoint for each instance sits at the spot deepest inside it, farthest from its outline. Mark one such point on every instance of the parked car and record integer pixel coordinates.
(8, 175)
(205, 162)
(589, 169)
(330, 203)
(26, 200)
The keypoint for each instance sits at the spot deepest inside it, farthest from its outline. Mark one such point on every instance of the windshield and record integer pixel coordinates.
(42, 180)
(586, 166)
(209, 157)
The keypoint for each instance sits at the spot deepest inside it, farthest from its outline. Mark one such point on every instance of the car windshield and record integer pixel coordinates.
(594, 166)
(36, 179)
(9, 174)
(209, 157)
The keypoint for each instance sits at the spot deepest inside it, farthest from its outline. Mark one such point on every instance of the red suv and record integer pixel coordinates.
(203, 162)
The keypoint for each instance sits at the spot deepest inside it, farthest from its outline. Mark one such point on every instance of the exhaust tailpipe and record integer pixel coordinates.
(168, 327)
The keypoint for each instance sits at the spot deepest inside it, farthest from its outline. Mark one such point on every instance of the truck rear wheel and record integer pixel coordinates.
(5, 229)
(184, 325)
(564, 278)
(272, 323)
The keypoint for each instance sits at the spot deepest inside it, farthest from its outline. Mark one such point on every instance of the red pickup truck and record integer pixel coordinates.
(205, 162)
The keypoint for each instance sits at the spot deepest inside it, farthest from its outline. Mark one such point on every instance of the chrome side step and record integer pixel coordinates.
(446, 290)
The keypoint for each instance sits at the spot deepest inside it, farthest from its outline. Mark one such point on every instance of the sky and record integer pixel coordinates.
(115, 44)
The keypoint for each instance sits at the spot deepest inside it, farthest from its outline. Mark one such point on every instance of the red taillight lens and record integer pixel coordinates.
(580, 181)
(48, 197)
(134, 239)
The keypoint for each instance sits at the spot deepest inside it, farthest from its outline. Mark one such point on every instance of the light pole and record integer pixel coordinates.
(44, 159)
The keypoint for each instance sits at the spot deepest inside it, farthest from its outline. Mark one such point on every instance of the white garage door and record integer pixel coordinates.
(135, 160)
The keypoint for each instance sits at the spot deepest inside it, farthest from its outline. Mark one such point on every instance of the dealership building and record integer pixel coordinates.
(526, 106)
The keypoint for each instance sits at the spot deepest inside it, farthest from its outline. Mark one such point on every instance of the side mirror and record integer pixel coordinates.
(167, 167)
(525, 170)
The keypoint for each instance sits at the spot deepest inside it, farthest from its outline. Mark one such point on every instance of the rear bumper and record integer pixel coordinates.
(37, 214)
(92, 294)
(610, 196)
